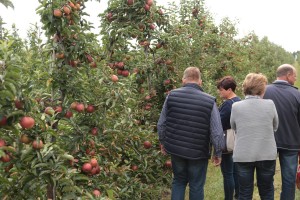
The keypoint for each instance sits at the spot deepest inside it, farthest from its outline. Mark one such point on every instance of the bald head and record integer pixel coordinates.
(287, 73)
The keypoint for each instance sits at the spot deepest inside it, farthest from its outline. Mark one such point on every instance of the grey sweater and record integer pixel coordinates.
(255, 120)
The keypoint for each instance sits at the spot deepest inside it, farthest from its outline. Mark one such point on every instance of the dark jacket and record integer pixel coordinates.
(188, 122)
(287, 101)
(225, 112)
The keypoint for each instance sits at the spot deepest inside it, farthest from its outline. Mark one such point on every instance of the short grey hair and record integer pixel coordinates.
(284, 70)
(192, 74)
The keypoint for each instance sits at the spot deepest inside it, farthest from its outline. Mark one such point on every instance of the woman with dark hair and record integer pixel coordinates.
(226, 89)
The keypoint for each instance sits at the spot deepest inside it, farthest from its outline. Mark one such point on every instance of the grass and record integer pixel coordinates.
(214, 185)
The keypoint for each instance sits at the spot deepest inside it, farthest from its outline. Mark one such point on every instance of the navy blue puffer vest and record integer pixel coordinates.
(188, 122)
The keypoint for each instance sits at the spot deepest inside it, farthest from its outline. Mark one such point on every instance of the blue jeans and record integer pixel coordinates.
(265, 171)
(230, 177)
(288, 164)
(192, 172)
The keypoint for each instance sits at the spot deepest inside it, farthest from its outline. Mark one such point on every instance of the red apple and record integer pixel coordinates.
(125, 73)
(19, 104)
(94, 131)
(160, 11)
(79, 107)
(168, 62)
(93, 65)
(97, 169)
(120, 65)
(69, 114)
(86, 167)
(168, 164)
(158, 45)
(119, 71)
(134, 167)
(37, 144)
(57, 13)
(27, 122)
(67, 10)
(73, 63)
(96, 193)
(3, 121)
(25, 139)
(152, 26)
(149, 2)
(49, 111)
(2, 143)
(5, 158)
(109, 17)
(58, 109)
(130, 2)
(93, 171)
(114, 78)
(147, 144)
(148, 97)
(90, 109)
(147, 7)
(94, 162)
(167, 82)
(73, 105)
(148, 106)
(89, 58)
(90, 152)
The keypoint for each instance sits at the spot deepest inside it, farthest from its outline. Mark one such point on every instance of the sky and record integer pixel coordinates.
(276, 19)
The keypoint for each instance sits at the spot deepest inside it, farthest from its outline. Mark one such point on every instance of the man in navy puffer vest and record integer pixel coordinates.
(188, 123)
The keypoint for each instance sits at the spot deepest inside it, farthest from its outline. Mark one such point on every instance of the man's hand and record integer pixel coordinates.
(216, 160)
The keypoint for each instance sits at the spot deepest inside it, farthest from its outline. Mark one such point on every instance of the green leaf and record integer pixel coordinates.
(41, 165)
(25, 153)
(81, 177)
(7, 95)
(11, 87)
(68, 157)
(45, 172)
(110, 194)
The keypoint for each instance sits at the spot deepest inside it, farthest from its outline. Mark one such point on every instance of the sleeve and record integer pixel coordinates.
(161, 125)
(232, 118)
(216, 131)
(275, 120)
(225, 111)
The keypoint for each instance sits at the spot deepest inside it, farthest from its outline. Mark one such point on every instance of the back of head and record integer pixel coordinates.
(191, 74)
(284, 70)
(227, 82)
(255, 84)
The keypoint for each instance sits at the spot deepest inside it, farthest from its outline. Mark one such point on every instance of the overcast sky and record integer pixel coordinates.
(276, 19)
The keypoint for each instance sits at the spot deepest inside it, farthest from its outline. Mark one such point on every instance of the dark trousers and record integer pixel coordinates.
(265, 171)
(288, 165)
(230, 177)
(192, 172)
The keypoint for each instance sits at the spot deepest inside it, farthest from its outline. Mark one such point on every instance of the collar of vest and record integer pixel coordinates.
(193, 85)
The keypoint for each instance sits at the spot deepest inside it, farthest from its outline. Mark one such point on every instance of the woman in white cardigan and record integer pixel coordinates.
(255, 120)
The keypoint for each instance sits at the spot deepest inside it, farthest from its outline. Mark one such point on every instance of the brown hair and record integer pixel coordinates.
(192, 74)
(254, 84)
(226, 82)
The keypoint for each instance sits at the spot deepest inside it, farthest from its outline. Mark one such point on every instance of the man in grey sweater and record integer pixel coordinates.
(287, 101)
